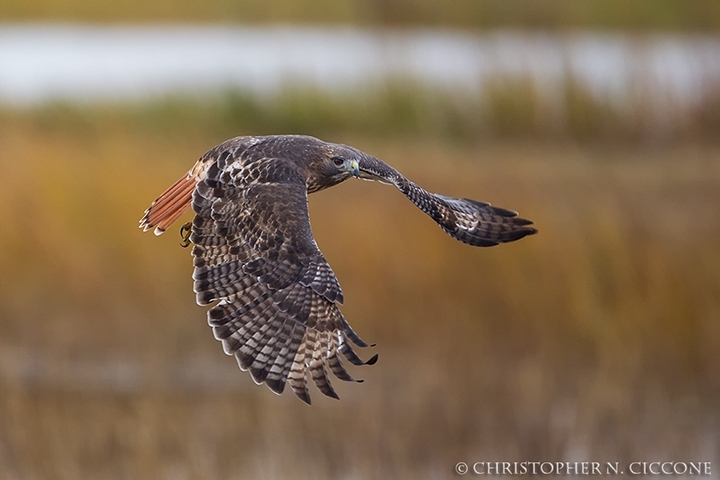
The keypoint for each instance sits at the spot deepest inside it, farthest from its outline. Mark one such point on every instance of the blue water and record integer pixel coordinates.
(40, 62)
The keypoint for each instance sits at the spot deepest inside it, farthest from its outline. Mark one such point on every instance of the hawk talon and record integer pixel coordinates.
(185, 232)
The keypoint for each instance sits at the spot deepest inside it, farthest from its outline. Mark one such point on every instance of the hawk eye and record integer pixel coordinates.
(338, 161)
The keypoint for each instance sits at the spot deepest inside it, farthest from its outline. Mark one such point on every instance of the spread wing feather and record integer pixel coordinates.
(470, 221)
(277, 297)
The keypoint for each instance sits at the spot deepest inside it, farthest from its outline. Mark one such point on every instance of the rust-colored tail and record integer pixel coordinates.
(173, 202)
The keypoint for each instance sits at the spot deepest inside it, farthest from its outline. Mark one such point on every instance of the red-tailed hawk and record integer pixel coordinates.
(275, 296)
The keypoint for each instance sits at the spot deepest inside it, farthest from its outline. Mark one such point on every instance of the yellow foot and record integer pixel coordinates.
(185, 232)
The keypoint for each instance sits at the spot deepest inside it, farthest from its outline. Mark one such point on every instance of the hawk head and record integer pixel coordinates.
(333, 164)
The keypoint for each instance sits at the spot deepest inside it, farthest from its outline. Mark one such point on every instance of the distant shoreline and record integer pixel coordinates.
(48, 62)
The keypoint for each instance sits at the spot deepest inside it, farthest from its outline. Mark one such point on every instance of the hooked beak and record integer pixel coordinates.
(355, 168)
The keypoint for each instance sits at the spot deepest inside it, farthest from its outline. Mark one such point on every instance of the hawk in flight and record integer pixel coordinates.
(275, 296)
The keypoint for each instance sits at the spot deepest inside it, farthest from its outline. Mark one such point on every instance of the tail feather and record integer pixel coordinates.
(173, 202)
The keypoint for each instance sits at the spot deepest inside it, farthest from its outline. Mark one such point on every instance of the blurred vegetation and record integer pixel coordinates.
(688, 15)
(596, 339)
(501, 108)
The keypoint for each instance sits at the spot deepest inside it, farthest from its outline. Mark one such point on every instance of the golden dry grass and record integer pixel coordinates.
(550, 14)
(595, 340)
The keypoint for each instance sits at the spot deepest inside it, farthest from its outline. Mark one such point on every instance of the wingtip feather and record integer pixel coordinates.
(277, 386)
(303, 395)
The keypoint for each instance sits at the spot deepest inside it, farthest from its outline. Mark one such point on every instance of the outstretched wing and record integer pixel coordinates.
(277, 297)
(470, 221)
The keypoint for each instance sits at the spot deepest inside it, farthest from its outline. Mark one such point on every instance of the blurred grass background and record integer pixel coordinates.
(638, 15)
(595, 340)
